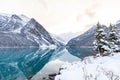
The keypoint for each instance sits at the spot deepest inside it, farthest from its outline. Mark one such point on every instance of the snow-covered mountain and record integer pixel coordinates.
(57, 39)
(68, 36)
(86, 39)
(21, 31)
(118, 24)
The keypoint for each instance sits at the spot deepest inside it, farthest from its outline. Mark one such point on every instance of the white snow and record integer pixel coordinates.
(92, 68)
(52, 46)
(45, 40)
(24, 18)
(56, 38)
(117, 22)
(17, 30)
(101, 30)
(4, 14)
(49, 69)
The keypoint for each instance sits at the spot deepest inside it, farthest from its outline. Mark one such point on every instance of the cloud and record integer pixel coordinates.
(88, 17)
(90, 12)
(70, 15)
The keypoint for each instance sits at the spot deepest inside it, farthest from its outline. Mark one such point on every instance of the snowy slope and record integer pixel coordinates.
(85, 39)
(58, 39)
(92, 68)
(21, 31)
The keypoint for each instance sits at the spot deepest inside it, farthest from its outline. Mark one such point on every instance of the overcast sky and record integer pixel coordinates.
(62, 16)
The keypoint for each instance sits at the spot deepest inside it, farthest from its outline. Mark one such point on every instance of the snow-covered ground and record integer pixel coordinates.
(92, 68)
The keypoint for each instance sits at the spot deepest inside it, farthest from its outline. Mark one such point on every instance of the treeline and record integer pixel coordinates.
(106, 42)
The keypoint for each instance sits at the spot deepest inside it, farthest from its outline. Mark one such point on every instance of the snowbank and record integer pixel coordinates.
(92, 68)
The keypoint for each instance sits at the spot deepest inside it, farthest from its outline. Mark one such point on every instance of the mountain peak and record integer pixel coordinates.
(21, 31)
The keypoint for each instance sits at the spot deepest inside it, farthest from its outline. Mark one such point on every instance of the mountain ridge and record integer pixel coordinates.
(21, 31)
(85, 39)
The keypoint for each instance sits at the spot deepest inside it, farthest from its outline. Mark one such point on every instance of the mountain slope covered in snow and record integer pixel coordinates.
(21, 31)
(85, 39)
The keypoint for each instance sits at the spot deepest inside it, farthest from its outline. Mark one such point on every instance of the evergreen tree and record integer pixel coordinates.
(114, 39)
(101, 43)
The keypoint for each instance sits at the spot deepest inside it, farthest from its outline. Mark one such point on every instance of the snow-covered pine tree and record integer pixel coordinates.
(114, 38)
(101, 43)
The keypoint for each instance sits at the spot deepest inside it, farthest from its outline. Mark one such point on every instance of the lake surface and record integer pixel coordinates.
(34, 63)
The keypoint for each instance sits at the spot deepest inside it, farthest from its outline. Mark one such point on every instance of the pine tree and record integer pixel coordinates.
(101, 43)
(114, 39)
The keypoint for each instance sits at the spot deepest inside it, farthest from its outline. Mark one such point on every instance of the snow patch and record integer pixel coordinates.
(56, 38)
(24, 18)
(43, 46)
(17, 30)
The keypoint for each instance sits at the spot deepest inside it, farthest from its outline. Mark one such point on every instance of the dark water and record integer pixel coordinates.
(81, 52)
(24, 63)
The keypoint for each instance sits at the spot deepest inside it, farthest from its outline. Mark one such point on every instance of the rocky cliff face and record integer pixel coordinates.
(20, 31)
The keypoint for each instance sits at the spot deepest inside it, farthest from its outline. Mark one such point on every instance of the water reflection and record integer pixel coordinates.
(59, 57)
(24, 63)
(34, 62)
(21, 64)
(81, 52)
